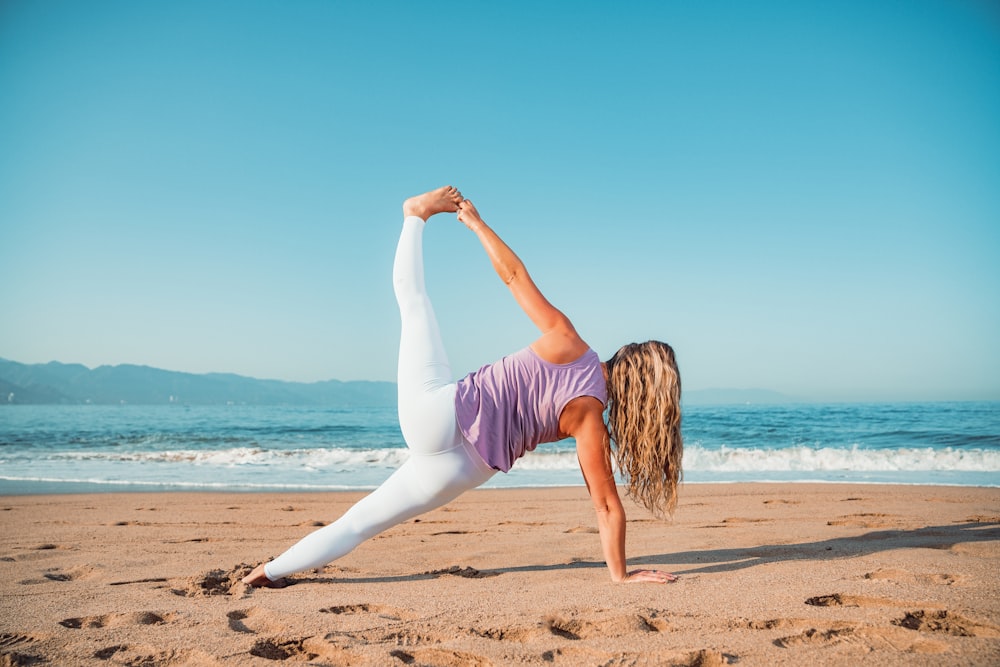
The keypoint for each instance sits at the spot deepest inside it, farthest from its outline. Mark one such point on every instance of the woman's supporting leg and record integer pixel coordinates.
(423, 483)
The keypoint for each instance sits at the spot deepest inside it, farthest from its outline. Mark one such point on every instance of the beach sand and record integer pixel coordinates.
(771, 574)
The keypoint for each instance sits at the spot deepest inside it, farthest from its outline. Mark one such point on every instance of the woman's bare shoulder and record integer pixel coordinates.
(560, 346)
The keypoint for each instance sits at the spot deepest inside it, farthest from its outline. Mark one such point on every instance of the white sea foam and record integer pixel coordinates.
(252, 456)
(801, 458)
(696, 458)
(193, 484)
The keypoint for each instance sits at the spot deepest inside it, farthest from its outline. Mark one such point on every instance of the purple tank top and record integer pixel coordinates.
(508, 408)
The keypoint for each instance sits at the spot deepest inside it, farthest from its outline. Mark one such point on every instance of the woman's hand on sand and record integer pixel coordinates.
(649, 577)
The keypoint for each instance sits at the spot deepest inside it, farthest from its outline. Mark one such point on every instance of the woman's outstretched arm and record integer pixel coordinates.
(559, 342)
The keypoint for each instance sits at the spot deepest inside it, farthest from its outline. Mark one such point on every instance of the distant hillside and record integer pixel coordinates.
(57, 383)
(69, 384)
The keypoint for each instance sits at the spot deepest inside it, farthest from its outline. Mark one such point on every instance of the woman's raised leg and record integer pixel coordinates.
(424, 378)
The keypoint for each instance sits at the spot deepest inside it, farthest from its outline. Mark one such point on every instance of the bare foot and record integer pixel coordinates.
(442, 200)
(258, 579)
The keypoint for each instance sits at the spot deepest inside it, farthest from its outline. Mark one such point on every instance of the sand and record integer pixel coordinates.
(770, 574)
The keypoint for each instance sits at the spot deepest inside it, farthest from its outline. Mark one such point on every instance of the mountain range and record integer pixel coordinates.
(58, 383)
(75, 384)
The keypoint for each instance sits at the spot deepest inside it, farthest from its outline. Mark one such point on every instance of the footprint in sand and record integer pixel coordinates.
(10, 640)
(381, 611)
(572, 655)
(515, 634)
(127, 654)
(868, 637)
(771, 624)
(904, 576)
(703, 658)
(117, 620)
(946, 622)
(31, 582)
(71, 574)
(254, 621)
(576, 627)
(40, 552)
(216, 582)
(18, 659)
(257, 621)
(843, 600)
(440, 658)
(396, 637)
(814, 636)
(236, 623)
(108, 651)
(464, 572)
(13, 649)
(284, 649)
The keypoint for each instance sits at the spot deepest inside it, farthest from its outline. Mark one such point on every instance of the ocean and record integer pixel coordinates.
(54, 449)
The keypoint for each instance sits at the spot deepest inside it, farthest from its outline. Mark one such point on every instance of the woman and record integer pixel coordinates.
(460, 434)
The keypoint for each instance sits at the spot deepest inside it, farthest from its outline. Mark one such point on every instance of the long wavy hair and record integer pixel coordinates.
(644, 422)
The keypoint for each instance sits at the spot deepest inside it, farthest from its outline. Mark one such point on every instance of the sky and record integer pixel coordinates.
(798, 196)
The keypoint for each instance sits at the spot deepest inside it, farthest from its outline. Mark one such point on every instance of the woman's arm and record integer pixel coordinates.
(559, 342)
(593, 454)
(583, 418)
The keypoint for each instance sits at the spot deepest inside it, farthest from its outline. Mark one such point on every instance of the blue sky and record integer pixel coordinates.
(799, 196)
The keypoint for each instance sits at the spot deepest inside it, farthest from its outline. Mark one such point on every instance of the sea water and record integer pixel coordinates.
(243, 448)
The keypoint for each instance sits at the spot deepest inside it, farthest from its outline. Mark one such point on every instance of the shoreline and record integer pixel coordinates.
(16, 488)
(770, 573)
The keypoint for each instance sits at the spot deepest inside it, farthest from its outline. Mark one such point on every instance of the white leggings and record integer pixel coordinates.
(442, 465)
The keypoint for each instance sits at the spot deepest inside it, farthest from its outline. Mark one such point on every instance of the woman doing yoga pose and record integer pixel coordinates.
(461, 433)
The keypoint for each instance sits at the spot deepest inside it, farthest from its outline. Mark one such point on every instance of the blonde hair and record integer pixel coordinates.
(644, 421)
